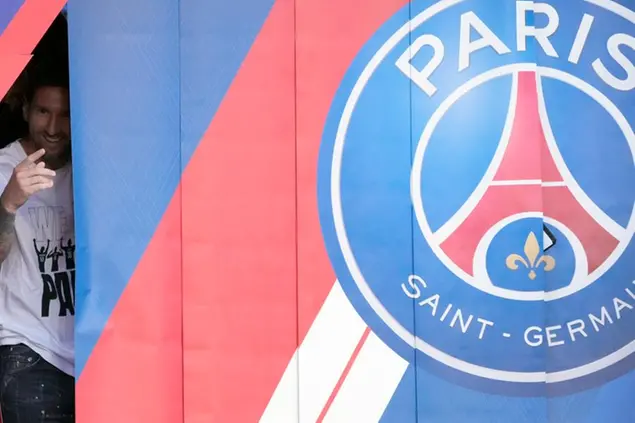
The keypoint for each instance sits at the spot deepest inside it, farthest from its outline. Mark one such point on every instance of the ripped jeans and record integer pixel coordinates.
(33, 390)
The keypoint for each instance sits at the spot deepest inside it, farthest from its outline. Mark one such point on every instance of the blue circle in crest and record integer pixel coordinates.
(392, 272)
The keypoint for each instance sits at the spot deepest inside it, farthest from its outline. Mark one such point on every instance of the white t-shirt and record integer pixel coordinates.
(37, 279)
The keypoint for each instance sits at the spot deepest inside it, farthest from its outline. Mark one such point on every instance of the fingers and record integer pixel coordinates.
(35, 180)
(30, 160)
(28, 183)
(40, 186)
(38, 171)
(34, 157)
(30, 177)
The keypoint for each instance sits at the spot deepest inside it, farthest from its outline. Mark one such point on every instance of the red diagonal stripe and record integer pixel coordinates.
(344, 375)
(29, 25)
(21, 36)
(12, 66)
(241, 292)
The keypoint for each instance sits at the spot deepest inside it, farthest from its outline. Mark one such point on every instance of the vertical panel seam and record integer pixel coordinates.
(412, 227)
(182, 187)
(295, 185)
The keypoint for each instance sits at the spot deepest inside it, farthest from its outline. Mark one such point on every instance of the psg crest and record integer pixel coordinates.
(477, 191)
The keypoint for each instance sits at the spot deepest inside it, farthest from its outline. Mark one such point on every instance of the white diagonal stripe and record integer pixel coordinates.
(318, 363)
(370, 384)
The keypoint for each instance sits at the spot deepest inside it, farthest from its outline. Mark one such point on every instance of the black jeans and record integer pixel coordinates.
(33, 390)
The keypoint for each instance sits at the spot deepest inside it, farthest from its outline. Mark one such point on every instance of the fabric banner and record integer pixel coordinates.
(352, 211)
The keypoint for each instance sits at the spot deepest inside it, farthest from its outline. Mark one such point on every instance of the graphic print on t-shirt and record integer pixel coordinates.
(55, 252)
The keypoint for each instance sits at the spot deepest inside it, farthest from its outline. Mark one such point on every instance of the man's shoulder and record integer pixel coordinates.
(9, 158)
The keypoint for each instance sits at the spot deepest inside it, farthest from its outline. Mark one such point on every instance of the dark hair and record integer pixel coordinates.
(49, 65)
(45, 75)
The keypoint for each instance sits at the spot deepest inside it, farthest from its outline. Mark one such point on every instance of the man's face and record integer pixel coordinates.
(49, 124)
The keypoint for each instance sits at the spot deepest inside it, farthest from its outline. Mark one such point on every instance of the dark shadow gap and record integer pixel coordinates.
(52, 50)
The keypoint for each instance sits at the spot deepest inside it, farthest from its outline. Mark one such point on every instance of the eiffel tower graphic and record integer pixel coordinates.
(530, 177)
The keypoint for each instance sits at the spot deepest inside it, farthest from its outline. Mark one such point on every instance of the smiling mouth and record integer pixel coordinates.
(53, 140)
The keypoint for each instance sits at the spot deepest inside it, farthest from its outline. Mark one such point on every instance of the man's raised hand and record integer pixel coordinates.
(28, 178)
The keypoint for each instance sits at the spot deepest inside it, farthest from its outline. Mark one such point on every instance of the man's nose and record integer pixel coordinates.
(53, 126)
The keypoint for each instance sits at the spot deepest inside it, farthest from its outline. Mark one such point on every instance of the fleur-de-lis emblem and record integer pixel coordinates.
(533, 258)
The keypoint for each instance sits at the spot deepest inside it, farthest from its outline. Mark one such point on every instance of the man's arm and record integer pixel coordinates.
(7, 235)
(28, 178)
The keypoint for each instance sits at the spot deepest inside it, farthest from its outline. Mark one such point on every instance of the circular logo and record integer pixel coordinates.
(477, 191)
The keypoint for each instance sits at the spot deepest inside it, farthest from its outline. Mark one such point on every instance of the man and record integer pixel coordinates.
(37, 283)
(52, 47)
